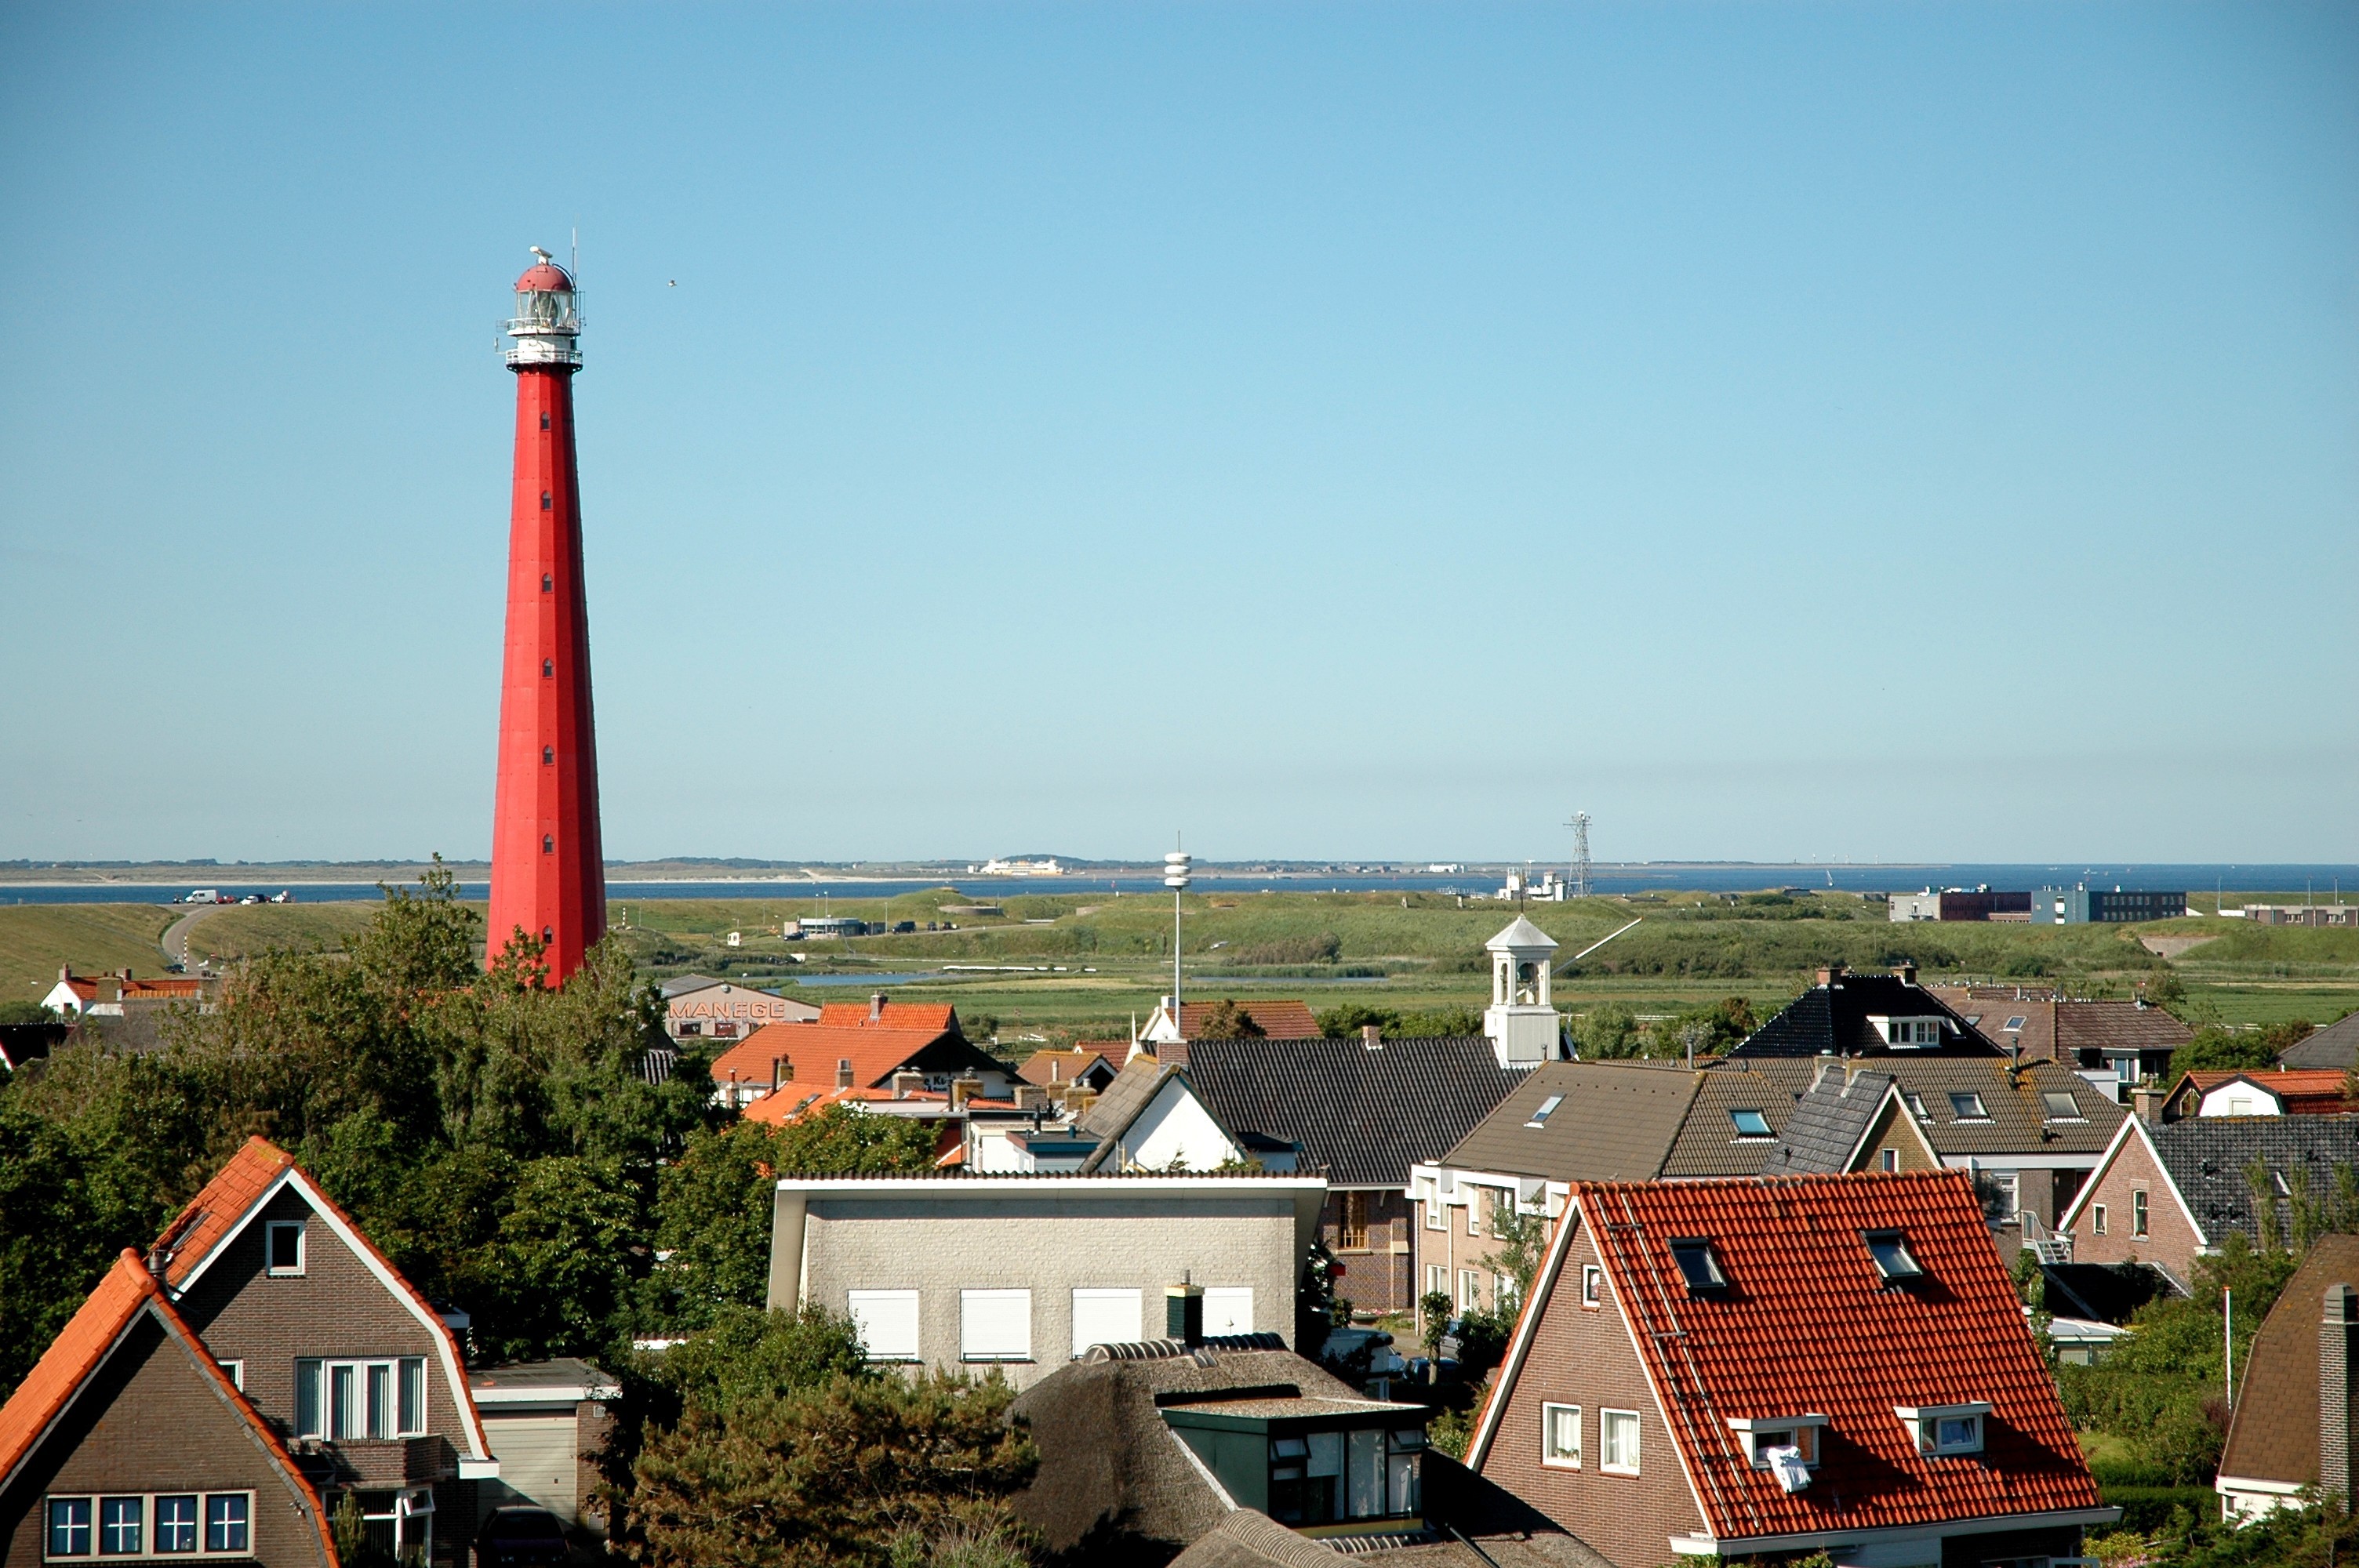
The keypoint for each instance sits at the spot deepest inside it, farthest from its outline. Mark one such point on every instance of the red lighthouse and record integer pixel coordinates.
(549, 875)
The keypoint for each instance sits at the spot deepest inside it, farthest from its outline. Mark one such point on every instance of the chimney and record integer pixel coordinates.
(1031, 1097)
(1372, 1036)
(1183, 1313)
(2147, 1102)
(876, 1007)
(1172, 1054)
(965, 1087)
(2336, 1335)
(1904, 973)
(782, 1071)
(843, 1072)
(1828, 1064)
(1830, 975)
(907, 1082)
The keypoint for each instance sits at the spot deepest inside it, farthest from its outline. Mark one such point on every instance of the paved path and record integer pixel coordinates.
(176, 935)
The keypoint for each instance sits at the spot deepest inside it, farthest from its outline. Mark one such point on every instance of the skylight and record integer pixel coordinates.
(1751, 1124)
(2013, 1025)
(1968, 1107)
(2061, 1106)
(1893, 1262)
(1916, 1107)
(1698, 1265)
(1547, 1109)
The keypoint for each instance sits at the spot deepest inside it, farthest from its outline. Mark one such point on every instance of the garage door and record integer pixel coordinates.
(536, 1455)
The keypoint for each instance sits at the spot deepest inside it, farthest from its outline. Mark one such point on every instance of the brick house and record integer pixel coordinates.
(2164, 1196)
(2114, 1045)
(335, 1349)
(2278, 1092)
(1362, 1111)
(2290, 1430)
(856, 1050)
(129, 1439)
(1749, 1369)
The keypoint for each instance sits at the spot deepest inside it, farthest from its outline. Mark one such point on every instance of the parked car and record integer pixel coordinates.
(250, 898)
(519, 1538)
(282, 896)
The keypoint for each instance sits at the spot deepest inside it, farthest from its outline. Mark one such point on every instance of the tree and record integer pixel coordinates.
(849, 1472)
(1227, 1020)
(1608, 1032)
(2218, 1049)
(26, 1012)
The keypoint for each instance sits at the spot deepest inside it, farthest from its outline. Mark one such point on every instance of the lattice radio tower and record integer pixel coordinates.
(1579, 826)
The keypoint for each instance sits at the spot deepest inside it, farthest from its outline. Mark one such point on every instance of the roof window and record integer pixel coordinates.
(1893, 1262)
(1751, 1124)
(2061, 1106)
(1917, 1105)
(1547, 1109)
(2013, 1025)
(1940, 1430)
(1698, 1265)
(1968, 1107)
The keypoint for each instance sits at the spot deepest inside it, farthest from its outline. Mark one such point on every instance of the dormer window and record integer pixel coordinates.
(1917, 1105)
(1894, 1264)
(1968, 1107)
(2061, 1106)
(1547, 1109)
(1909, 1033)
(1698, 1266)
(1751, 1124)
(1784, 1444)
(1941, 1431)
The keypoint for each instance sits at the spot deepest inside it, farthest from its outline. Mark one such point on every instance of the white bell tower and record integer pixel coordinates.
(1521, 1022)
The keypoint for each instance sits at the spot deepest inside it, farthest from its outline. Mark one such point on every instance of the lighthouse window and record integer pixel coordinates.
(549, 667)
(548, 844)
(544, 421)
(548, 754)
(547, 583)
(544, 501)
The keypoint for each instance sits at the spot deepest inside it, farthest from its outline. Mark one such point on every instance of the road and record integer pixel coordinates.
(176, 935)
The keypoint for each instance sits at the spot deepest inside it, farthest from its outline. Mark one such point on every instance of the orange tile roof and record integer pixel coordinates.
(86, 989)
(1806, 1328)
(937, 1016)
(814, 1049)
(221, 1207)
(794, 1101)
(138, 991)
(1279, 1019)
(2306, 1091)
(82, 1347)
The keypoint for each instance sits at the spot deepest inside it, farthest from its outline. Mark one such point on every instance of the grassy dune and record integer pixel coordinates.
(36, 938)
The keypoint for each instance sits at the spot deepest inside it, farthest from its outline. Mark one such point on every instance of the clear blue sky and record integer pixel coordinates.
(1782, 430)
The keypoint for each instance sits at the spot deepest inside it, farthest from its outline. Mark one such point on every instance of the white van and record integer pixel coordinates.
(203, 895)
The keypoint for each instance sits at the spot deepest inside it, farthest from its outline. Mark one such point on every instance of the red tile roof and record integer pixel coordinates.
(147, 990)
(1050, 1068)
(937, 1016)
(82, 1347)
(795, 1102)
(814, 1049)
(2305, 1091)
(1806, 1327)
(1279, 1019)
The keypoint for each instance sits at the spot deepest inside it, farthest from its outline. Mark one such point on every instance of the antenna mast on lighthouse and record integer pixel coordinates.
(548, 869)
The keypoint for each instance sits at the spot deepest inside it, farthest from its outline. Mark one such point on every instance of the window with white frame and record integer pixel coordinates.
(1617, 1442)
(2097, 1217)
(351, 1402)
(1941, 1430)
(1888, 1160)
(1912, 1033)
(1470, 1290)
(1473, 1216)
(887, 1322)
(236, 1374)
(2137, 1213)
(995, 1325)
(1437, 1214)
(148, 1524)
(282, 1242)
(1592, 1285)
(1107, 1316)
(1228, 1309)
(1761, 1438)
(1560, 1436)
(1437, 1279)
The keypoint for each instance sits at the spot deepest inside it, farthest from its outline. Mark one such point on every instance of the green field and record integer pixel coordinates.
(1082, 964)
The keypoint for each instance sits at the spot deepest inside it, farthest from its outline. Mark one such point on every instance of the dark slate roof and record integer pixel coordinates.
(2337, 1045)
(1361, 1116)
(2207, 1157)
(1834, 1017)
(1615, 1124)
(2274, 1434)
(1827, 1124)
(2015, 1120)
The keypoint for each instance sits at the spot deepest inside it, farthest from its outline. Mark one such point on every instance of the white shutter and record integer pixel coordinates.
(1228, 1309)
(887, 1321)
(995, 1325)
(1105, 1317)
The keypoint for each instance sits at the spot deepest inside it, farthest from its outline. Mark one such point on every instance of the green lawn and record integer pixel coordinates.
(36, 938)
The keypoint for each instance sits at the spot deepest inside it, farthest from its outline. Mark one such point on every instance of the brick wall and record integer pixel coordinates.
(1583, 1357)
(2170, 1242)
(337, 1308)
(1889, 1133)
(1377, 1276)
(151, 1420)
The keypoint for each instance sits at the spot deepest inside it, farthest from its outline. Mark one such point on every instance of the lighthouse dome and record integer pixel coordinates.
(543, 277)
